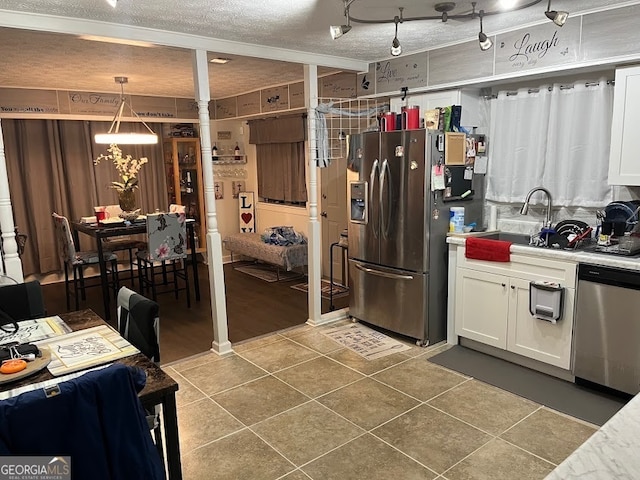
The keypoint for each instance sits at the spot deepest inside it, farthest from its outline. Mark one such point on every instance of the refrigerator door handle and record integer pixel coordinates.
(372, 181)
(384, 171)
(383, 274)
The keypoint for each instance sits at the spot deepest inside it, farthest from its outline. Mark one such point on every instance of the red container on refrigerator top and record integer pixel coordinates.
(388, 122)
(410, 118)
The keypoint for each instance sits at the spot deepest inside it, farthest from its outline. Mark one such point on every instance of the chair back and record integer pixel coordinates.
(66, 248)
(112, 211)
(167, 236)
(175, 208)
(139, 322)
(22, 301)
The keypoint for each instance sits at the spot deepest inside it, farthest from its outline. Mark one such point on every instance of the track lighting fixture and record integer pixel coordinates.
(396, 48)
(557, 17)
(485, 42)
(444, 12)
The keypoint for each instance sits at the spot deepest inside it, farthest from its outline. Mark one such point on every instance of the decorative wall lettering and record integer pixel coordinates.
(275, 98)
(340, 85)
(226, 108)
(296, 95)
(247, 217)
(409, 71)
(536, 47)
(249, 104)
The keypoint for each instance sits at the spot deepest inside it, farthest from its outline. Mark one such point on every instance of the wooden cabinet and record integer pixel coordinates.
(492, 307)
(183, 168)
(624, 168)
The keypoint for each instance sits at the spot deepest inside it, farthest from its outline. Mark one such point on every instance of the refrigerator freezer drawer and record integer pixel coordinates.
(389, 298)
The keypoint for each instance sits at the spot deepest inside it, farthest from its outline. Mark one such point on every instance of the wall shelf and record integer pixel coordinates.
(228, 160)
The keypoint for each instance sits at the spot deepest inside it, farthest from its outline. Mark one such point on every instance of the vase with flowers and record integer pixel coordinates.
(128, 169)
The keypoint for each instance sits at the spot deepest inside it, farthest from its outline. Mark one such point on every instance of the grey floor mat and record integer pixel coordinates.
(575, 400)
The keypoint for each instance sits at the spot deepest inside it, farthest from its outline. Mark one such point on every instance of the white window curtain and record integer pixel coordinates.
(556, 137)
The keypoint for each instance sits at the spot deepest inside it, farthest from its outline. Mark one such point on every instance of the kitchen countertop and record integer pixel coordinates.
(611, 452)
(578, 256)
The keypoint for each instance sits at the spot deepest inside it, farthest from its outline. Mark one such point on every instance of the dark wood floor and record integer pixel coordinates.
(254, 308)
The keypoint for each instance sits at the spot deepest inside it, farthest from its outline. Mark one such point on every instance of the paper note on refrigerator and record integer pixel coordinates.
(437, 178)
(480, 165)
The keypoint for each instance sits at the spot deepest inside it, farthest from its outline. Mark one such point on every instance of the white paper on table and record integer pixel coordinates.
(480, 165)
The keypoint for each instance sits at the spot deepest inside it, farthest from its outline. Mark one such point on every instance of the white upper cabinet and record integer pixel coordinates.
(624, 157)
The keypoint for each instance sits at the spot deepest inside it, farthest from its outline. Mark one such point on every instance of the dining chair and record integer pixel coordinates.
(124, 243)
(166, 244)
(77, 261)
(22, 301)
(139, 323)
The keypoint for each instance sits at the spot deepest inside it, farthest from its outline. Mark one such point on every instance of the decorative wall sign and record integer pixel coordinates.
(537, 47)
(154, 107)
(226, 108)
(340, 85)
(366, 82)
(409, 71)
(237, 187)
(15, 100)
(249, 104)
(218, 189)
(224, 135)
(186, 108)
(96, 103)
(276, 98)
(246, 211)
(296, 95)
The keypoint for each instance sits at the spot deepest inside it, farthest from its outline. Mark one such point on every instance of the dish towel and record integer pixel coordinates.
(485, 249)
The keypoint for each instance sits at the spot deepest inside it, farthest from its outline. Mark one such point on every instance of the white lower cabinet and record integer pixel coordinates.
(493, 309)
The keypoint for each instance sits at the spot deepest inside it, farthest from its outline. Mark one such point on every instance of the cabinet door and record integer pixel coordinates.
(624, 168)
(538, 339)
(481, 307)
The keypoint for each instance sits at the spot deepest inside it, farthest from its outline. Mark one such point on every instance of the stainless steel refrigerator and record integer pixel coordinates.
(397, 231)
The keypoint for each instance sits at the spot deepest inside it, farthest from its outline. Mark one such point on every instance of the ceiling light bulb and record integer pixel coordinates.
(113, 3)
(485, 42)
(338, 30)
(396, 48)
(557, 17)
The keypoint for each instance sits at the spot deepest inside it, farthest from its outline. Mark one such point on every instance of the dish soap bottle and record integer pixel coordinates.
(236, 152)
(214, 152)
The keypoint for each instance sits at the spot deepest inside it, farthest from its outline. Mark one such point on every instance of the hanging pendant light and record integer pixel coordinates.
(557, 17)
(115, 136)
(396, 48)
(485, 42)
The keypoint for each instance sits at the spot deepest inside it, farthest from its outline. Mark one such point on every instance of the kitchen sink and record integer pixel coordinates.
(517, 238)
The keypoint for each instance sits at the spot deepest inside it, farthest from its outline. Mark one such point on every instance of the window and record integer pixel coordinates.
(280, 151)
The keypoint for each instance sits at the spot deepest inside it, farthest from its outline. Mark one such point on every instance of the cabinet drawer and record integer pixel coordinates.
(527, 267)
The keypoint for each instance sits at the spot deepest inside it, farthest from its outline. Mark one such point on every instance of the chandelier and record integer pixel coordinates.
(132, 138)
(443, 10)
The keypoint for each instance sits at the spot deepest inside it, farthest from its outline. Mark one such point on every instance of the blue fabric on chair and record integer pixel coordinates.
(97, 419)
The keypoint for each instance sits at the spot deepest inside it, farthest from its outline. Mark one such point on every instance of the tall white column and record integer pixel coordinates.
(221, 344)
(12, 262)
(315, 240)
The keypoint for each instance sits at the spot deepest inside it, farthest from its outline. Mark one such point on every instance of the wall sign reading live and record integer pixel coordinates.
(537, 47)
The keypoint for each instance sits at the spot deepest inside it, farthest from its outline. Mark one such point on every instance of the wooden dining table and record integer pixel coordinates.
(101, 231)
(160, 388)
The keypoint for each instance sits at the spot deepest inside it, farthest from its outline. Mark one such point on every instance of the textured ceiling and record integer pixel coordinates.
(38, 59)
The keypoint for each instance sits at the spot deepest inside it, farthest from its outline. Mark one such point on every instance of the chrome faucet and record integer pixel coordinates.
(525, 207)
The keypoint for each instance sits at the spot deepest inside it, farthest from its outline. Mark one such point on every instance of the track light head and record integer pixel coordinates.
(113, 3)
(484, 41)
(396, 48)
(338, 30)
(558, 17)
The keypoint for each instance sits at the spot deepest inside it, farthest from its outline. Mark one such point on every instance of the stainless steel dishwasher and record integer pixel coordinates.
(607, 327)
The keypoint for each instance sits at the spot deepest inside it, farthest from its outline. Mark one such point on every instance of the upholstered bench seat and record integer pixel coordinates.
(251, 245)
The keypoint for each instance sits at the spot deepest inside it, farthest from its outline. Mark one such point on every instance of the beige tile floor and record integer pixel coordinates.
(296, 405)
